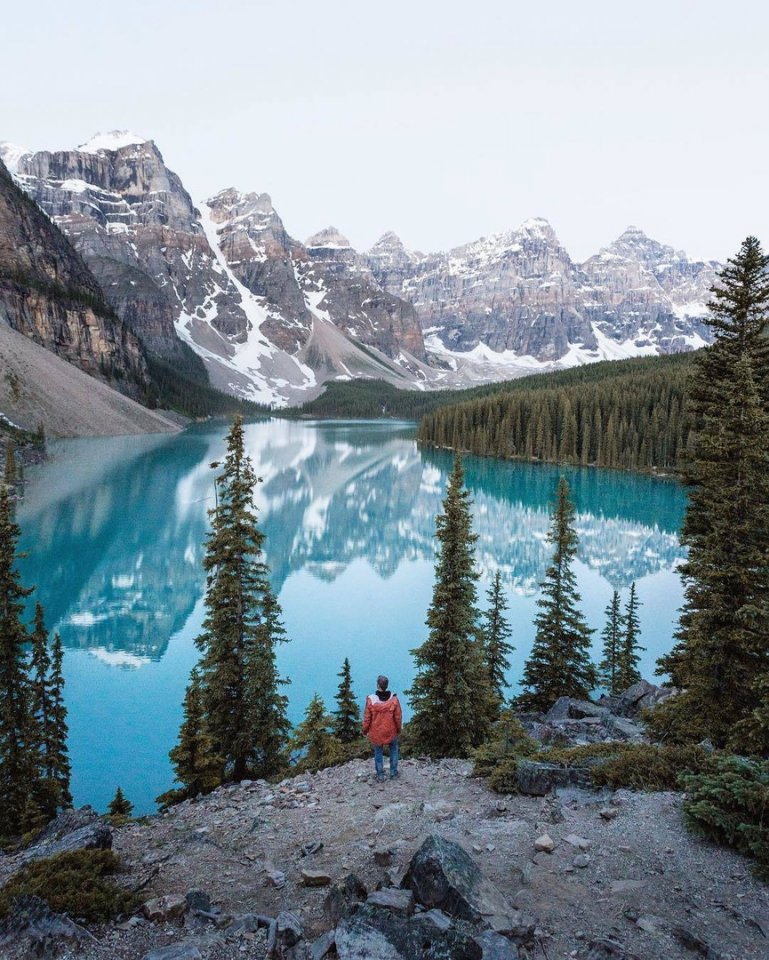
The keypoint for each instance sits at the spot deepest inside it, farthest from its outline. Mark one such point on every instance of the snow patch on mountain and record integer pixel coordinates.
(113, 140)
(11, 153)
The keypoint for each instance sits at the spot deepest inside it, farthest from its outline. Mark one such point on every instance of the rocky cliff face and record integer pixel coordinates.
(48, 294)
(519, 294)
(273, 318)
(137, 228)
(227, 280)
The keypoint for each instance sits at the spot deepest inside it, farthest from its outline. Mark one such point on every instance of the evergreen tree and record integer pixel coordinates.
(612, 636)
(628, 672)
(347, 714)
(234, 711)
(56, 754)
(495, 631)
(559, 664)
(17, 767)
(120, 806)
(194, 757)
(451, 695)
(314, 739)
(722, 648)
(10, 474)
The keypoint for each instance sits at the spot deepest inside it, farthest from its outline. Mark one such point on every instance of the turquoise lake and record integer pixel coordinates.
(114, 532)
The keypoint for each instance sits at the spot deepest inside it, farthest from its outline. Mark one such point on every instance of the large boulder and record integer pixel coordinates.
(641, 696)
(443, 875)
(72, 830)
(373, 934)
(32, 929)
(342, 898)
(567, 708)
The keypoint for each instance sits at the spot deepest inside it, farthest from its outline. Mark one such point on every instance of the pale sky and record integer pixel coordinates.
(443, 121)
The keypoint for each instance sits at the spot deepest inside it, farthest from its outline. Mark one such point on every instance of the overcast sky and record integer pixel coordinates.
(443, 121)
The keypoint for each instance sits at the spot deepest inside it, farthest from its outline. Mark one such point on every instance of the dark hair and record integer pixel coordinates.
(382, 682)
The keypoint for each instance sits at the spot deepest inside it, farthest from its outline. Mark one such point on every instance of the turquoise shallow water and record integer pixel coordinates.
(114, 532)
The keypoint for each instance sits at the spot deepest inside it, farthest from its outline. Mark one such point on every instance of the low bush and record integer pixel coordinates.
(729, 804)
(637, 766)
(73, 883)
(509, 742)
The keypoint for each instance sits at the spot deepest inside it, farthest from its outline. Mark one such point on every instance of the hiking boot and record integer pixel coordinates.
(380, 778)
(393, 775)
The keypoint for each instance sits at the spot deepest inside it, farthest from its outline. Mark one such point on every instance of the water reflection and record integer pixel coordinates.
(115, 531)
(115, 528)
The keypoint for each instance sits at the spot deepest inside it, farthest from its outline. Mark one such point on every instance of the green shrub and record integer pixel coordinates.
(637, 766)
(509, 742)
(730, 805)
(504, 777)
(72, 883)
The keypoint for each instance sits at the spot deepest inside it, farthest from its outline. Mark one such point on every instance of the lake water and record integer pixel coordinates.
(114, 531)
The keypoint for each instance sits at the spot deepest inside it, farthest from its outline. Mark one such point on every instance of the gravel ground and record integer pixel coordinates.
(68, 401)
(631, 874)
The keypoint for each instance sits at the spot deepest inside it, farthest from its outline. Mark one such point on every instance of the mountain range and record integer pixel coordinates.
(273, 318)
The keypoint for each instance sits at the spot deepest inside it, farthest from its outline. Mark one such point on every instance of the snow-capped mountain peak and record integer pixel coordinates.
(112, 140)
(11, 153)
(329, 237)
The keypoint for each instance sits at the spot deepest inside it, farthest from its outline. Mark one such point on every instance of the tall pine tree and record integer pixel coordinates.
(451, 695)
(612, 636)
(495, 634)
(722, 648)
(58, 768)
(347, 713)
(17, 761)
(559, 664)
(235, 716)
(630, 648)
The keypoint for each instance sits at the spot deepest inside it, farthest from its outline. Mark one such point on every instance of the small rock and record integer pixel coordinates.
(284, 933)
(315, 878)
(581, 861)
(161, 909)
(322, 945)
(609, 813)
(342, 897)
(309, 849)
(581, 843)
(276, 878)
(441, 920)
(175, 951)
(399, 901)
(544, 844)
(500, 806)
(496, 947)
(647, 924)
(198, 900)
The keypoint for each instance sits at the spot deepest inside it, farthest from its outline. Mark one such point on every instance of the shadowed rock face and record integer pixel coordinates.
(48, 293)
(137, 228)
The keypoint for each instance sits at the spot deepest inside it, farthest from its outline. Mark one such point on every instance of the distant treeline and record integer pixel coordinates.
(629, 415)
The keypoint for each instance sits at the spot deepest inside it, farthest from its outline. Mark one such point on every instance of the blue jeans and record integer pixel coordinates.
(379, 759)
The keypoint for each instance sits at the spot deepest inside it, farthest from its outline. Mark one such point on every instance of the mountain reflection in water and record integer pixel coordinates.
(115, 529)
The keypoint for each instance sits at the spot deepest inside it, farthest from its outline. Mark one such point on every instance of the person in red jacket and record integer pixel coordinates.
(382, 721)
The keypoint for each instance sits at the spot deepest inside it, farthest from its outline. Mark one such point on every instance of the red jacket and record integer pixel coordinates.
(382, 719)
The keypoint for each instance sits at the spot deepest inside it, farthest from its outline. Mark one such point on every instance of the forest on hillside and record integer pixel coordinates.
(630, 415)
